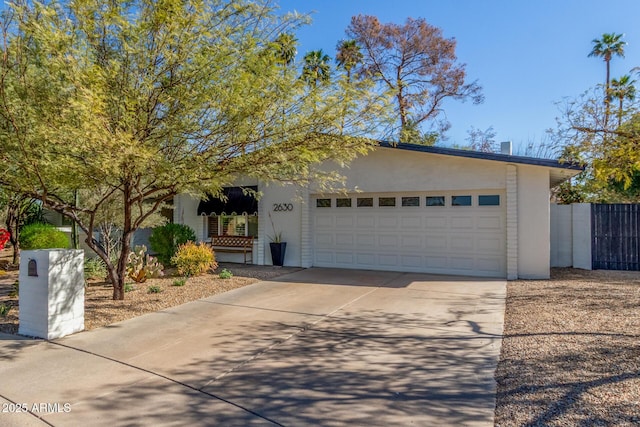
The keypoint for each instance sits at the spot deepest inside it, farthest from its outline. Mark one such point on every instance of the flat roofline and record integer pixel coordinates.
(506, 158)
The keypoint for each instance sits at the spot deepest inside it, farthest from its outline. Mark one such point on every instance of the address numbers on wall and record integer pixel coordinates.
(282, 207)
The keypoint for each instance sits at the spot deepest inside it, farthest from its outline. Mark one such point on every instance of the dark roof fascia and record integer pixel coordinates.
(550, 163)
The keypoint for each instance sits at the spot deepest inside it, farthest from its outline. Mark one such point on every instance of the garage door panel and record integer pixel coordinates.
(462, 222)
(461, 243)
(365, 221)
(388, 260)
(489, 223)
(324, 239)
(388, 240)
(344, 258)
(344, 240)
(438, 243)
(366, 240)
(438, 223)
(490, 244)
(411, 242)
(324, 257)
(366, 260)
(461, 263)
(324, 221)
(448, 240)
(344, 221)
(388, 222)
(414, 222)
(489, 265)
(433, 262)
(414, 261)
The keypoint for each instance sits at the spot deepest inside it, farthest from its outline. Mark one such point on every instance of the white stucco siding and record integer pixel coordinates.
(185, 211)
(281, 212)
(533, 222)
(395, 170)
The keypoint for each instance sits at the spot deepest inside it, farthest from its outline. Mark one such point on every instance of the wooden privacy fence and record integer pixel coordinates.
(615, 237)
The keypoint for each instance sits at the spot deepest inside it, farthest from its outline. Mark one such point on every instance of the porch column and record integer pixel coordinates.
(512, 222)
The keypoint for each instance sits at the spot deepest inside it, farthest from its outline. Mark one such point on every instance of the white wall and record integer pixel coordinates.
(276, 218)
(534, 245)
(561, 236)
(185, 211)
(571, 235)
(581, 232)
(392, 170)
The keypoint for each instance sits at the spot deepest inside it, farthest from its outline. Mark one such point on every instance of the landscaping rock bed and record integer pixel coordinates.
(571, 351)
(102, 310)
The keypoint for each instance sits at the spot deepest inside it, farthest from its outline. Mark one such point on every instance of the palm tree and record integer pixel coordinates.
(285, 46)
(316, 67)
(348, 56)
(606, 47)
(623, 88)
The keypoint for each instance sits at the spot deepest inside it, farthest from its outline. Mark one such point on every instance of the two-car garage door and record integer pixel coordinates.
(446, 232)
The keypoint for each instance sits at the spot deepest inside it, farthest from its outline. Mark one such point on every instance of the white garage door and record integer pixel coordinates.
(449, 233)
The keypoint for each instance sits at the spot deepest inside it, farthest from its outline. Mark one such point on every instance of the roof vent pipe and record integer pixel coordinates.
(506, 148)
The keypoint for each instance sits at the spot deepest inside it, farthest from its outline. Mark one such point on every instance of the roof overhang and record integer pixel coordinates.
(558, 171)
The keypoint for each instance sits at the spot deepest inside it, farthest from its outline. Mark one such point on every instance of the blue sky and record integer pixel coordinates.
(527, 55)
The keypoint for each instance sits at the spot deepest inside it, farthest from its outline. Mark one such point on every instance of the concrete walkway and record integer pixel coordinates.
(316, 347)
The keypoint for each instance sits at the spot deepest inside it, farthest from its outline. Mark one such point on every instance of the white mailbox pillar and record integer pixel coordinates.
(51, 292)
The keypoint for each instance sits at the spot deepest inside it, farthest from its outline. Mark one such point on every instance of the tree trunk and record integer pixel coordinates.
(16, 251)
(127, 234)
(12, 223)
(607, 97)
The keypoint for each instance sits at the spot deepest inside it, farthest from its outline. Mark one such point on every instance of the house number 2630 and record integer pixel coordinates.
(282, 207)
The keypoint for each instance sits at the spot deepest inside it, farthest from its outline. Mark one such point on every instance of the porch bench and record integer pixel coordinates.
(233, 244)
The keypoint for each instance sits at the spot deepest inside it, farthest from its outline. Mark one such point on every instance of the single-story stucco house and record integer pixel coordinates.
(407, 208)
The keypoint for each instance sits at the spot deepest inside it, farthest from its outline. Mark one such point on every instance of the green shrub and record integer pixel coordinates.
(225, 274)
(155, 289)
(193, 260)
(141, 265)
(42, 236)
(180, 282)
(165, 240)
(128, 287)
(4, 310)
(94, 268)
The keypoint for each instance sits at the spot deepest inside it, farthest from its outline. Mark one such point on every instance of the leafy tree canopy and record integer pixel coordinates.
(141, 100)
(417, 67)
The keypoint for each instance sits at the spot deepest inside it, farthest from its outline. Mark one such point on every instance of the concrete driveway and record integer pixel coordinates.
(316, 347)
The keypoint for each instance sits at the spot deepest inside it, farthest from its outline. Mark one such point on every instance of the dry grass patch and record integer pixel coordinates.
(571, 351)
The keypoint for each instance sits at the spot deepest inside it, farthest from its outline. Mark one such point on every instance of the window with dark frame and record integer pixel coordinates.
(232, 225)
(343, 203)
(364, 202)
(410, 201)
(460, 200)
(323, 203)
(489, 200)
(387, 202)
(435, 200)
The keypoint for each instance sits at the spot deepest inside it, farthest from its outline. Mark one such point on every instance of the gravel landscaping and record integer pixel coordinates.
(571, 351)
(102, 310)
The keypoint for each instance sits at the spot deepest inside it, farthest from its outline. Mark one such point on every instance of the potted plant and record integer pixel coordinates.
(277, 246)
